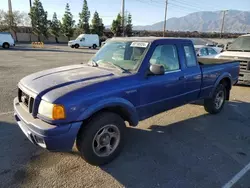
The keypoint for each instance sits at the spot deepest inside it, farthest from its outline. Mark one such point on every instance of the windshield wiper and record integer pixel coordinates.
(118, 67)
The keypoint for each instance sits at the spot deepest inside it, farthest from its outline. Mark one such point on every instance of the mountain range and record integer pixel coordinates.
(206, 21)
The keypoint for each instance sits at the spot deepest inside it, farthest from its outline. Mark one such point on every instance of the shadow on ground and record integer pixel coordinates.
(204, 151)
(15, 148)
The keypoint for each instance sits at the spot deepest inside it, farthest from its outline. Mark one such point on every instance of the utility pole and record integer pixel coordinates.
(165, 18)
(222, 24)
(123, 18)
(10, 12)
(30, 20)
(30, 4)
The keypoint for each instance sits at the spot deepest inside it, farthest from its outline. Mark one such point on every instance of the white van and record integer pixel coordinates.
(85, 40)
(6, 40)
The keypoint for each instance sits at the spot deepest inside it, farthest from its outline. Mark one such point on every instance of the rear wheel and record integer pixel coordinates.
(215, 104)
(6, 45)
(94, 46)
(77, 46)
(102, 139)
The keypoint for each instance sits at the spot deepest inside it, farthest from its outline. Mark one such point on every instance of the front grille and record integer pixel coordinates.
(245, 65)
(25, 99)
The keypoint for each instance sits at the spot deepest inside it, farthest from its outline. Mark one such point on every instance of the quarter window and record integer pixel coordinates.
(190, 56)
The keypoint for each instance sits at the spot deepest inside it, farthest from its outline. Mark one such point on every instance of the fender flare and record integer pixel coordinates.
(111, 102)
(221, 77)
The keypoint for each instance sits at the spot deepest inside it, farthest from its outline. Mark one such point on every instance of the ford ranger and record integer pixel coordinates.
(127, 80)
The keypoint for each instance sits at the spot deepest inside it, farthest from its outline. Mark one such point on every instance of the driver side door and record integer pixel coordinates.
(162, 92)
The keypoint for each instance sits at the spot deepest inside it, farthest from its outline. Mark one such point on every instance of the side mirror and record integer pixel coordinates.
(198, 54)
(157, 69)
(81, 40)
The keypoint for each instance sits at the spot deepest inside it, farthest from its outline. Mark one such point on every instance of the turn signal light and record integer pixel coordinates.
(58, 112)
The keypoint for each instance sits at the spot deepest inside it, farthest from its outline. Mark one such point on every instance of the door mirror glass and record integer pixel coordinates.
(157, 69)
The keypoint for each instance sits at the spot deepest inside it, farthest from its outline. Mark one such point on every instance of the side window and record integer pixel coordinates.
(203, 52)
(211, 51)
(190, 56)
(83, 39)
(167, 56)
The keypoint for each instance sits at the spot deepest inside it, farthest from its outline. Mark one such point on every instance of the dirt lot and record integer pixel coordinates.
(184, 147)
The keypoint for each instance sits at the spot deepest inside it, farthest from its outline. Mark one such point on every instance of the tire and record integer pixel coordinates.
(77, 46)
(72, 46)
(214, 105)
(94, 46)
(6, 45)
(87, 144)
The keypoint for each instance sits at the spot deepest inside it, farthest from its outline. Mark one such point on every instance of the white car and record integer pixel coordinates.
(85, 40)
(6, 40)
(207, 51)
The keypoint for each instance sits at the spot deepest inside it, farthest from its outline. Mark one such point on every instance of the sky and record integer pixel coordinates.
(144, 12)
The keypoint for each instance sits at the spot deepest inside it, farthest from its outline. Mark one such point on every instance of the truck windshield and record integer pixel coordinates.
(126, 55)
(240, 44)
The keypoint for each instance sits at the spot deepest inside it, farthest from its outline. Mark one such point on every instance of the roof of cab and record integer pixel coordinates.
(147, 39)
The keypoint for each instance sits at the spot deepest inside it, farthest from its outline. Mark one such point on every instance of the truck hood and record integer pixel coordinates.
(235, 55)
(70, 77)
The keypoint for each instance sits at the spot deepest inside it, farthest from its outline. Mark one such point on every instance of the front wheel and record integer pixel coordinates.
(77, 46)
(215, 104)
(102, 139)
(6, 45)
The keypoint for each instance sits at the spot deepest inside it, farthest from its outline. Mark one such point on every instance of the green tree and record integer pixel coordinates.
(97, 26)
(84, 18)
(129, 26)
(55, 27)
(39, 20)
(68, 23)
(116, 27)
(11, 21)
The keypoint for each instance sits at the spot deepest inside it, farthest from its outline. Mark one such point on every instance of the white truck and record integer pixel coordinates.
(85, 40)
(239, 50)
(6, 40)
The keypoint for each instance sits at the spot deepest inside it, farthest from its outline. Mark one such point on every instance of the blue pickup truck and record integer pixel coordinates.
(127, 80)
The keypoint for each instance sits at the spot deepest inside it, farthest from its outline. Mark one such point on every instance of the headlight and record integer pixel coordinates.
(52, 111)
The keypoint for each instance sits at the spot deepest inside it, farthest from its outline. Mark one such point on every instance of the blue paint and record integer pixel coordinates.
(85, 90)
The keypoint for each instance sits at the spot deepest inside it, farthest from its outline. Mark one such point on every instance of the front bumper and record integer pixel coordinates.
(51, 137)
(244, 77)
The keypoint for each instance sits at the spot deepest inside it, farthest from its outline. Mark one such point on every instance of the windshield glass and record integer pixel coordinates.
(241, 43)
(126, 55)
(79, 37)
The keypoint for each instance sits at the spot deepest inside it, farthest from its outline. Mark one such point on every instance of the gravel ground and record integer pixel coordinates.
(184, 147)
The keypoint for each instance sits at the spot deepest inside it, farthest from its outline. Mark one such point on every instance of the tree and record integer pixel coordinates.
(116, 27)
(39, 20)
(97, 26)
(11, 21)
(55, 27)
(84, 18)
(129, 26)
(68, 23)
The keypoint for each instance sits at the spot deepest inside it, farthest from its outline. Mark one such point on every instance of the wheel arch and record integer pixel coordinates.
(119, 106)
(226, 80)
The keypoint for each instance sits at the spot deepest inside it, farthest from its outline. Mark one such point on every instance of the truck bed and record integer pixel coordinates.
(209, 61)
